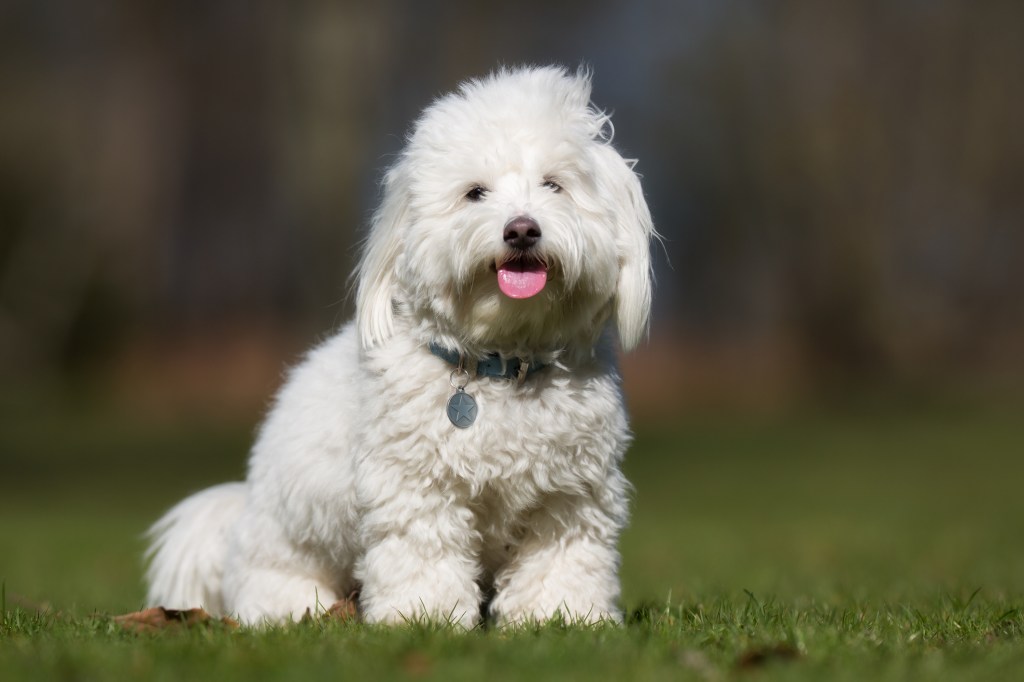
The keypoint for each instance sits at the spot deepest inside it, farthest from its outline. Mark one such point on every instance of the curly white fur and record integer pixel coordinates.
(358, 481)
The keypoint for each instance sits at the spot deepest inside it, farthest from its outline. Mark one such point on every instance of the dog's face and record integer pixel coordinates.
(509, 223)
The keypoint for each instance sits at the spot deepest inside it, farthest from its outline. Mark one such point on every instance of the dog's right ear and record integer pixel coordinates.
(376, 270)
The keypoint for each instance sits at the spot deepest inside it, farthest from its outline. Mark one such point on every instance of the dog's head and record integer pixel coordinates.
(509, 222)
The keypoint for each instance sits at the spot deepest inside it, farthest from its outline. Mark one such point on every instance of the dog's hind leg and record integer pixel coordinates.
(188, 548)
(270, 579)
(269, 595)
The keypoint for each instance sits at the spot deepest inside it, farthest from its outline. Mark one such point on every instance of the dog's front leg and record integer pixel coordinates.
(567, 564)
(421, 554)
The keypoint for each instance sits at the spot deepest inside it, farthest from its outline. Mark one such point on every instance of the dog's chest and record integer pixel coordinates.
(529, 440)
(559, 431)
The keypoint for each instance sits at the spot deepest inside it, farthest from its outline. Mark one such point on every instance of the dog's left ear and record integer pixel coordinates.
(375, 274)
(635, 229)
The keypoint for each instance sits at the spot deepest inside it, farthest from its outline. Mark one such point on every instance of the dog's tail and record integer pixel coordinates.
(187, 549)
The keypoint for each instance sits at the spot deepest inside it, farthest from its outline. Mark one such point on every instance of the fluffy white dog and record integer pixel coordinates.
(459, 443)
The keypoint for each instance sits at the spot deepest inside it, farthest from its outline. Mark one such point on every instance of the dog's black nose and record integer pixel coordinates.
(522, 232)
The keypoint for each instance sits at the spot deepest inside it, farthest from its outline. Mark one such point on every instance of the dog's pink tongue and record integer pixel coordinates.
(519, 280)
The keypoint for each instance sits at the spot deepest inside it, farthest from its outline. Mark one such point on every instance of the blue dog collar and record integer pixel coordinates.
(492, 365)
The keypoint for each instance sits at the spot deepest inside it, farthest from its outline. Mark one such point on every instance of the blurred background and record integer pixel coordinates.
(183, 186)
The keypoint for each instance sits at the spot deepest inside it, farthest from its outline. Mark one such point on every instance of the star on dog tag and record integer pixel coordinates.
(461, 409)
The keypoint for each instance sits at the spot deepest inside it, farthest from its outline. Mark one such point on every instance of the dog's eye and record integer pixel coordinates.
(552, 185)
(477, 193)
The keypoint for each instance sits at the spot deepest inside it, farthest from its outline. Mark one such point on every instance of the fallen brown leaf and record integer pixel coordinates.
(345, 609)
(756, 658)
(158, 618)
(416, 664)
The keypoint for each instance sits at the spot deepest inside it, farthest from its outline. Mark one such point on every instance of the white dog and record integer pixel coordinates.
(459, 443)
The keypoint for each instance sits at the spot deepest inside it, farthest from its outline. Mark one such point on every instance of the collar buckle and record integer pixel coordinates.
(492, 366)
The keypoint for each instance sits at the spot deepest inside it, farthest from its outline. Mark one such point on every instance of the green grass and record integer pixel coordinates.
(857, 544)
(719, 640)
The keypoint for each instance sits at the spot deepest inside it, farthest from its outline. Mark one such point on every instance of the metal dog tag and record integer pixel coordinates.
(461, 409)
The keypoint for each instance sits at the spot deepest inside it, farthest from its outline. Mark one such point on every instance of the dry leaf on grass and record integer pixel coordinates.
(343, 610)
(158, 618)
(416, 664)
(756, 658)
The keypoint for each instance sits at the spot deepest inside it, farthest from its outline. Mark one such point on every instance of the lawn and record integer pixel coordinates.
(857, 543)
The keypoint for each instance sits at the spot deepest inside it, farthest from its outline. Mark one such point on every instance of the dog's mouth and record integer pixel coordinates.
(521, 275)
